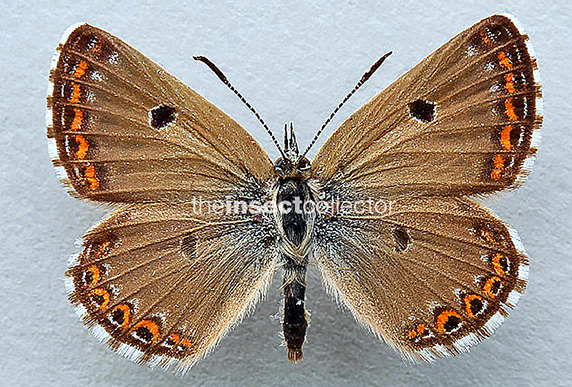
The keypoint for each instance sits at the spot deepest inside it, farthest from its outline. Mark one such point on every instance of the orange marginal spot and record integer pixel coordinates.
(151, 326)
(491, 287)
(77, 119)
(485, 37)
(500, 264)
(497, 170)
(126, 314)
(467, 300)
(83, 147)
(104, 294)
(504, 61)
(174, 337)
(76, 92)
(510, 109)
(486, 235)
(186, 342)
(509, 82)
(505, 137)
(444, 318)
(413, 333)
(103, 247)
(91, 177)
(93, 274)
(80, 70)
(96, 47)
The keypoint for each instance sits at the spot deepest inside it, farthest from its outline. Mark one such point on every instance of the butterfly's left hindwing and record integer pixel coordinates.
(163, 283)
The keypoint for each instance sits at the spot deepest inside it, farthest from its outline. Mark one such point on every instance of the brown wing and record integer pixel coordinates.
(163, 283)
(431, 276)
(463, 121)
(122, 129)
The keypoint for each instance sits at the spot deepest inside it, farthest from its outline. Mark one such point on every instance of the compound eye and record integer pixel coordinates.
(304, 164)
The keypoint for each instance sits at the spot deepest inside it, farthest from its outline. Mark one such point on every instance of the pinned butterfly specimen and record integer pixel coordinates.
(165, 276)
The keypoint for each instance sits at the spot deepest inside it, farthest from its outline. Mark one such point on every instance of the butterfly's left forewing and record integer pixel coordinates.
(465, 120)
(122, 129)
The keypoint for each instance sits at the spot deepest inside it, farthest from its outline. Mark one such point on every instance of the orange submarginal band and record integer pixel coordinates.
(498, 168)
(486, 38)
(510, 110)
(80, 70)
(444, 317)
(94, 271)
(468, 299)
(77, 119)
(497, 264)
(488, 288)
(509, 82)
(505, 137)
(151, 327)
(83, 147)
(504, 61)
(91, 177)
(101, 293)
(126, 314)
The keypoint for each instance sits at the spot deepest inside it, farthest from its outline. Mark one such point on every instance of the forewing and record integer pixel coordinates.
(122, 129)
(162, 284)
(431, 276)
(463, 121)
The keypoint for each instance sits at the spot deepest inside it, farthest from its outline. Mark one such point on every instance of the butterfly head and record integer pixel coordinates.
(292, 165)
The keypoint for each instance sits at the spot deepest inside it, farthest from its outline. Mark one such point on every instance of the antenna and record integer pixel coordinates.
(224, 80)
(363, 79)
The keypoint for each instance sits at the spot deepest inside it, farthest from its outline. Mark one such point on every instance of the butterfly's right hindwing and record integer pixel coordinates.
(431, 276)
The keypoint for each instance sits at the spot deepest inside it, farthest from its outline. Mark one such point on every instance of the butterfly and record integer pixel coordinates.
(387, 210)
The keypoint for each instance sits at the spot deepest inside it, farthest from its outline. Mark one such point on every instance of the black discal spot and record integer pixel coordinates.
(189, 246)
(402, 239)
(451, 324)
(161, 116)
(143, 334)
(422, 110)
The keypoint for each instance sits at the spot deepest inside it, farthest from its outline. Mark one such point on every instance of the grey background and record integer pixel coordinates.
(294, 61)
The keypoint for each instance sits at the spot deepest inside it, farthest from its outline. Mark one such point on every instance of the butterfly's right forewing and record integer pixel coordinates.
(464, 121)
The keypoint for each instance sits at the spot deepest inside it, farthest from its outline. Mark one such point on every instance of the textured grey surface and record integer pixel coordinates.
(294, 61)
